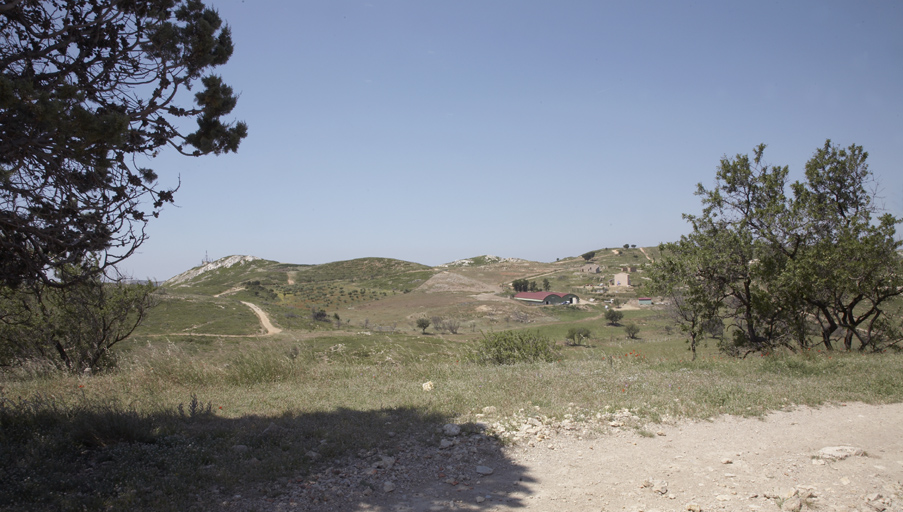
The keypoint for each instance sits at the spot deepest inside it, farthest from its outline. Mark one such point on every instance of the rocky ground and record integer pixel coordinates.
(845, 457)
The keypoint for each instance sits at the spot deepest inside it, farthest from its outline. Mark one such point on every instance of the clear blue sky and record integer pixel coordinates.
(431, 131)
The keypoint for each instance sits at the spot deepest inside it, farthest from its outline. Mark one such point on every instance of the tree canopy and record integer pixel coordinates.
(89, 90)
(785, 262)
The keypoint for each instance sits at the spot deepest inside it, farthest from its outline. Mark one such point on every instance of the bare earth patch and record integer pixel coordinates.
(451, 282)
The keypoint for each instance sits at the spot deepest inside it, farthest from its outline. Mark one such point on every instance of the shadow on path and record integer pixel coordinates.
(104, 457)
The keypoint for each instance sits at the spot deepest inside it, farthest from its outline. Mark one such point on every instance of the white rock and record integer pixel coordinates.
(839, 452)
(450, 429)
(485, 470)
(428, 386)
(385, 462)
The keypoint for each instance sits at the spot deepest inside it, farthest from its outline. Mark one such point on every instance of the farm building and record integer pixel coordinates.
(547, 297)
(645, 301)
(628, 268)
(592, 269)
(621, 279)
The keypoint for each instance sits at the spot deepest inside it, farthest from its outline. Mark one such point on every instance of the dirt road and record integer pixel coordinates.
(729, 464)
(264, 319)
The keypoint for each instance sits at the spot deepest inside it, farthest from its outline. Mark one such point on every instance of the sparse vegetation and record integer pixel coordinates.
(511, 347)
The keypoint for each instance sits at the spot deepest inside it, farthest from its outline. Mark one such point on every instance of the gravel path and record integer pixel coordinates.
(729, 464)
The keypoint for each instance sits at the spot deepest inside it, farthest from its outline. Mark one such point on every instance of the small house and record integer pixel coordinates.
(591, 269)
(645, 301)
(621, 279)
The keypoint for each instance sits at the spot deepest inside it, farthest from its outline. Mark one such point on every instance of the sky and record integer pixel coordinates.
(431, 131)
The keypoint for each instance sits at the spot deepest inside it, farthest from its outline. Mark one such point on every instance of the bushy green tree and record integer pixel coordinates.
(588, 255)
(423, 324)
(613, 316)
(782, 262)
(89, 88)
(520, 285)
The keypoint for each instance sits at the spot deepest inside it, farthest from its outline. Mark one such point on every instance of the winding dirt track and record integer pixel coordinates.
(264, 319)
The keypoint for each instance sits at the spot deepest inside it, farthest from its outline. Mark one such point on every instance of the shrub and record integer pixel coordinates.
(576, 335)
(613, 316)
(510, 347)
(422, 324)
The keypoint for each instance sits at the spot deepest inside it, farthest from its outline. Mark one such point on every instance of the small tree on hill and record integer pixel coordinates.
(588, 256)
(576, 335)
(613, 316)
(422, 324)
(631, 330)
(546, 285)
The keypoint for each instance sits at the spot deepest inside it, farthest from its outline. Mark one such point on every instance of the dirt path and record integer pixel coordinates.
(230, 291)
(725, 465)
(264, 319)
(729, 464)
(646, 255)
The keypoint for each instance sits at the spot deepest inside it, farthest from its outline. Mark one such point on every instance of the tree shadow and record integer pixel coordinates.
(107, 458)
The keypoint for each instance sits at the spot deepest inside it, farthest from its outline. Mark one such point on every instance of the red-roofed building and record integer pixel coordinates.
(547, 297)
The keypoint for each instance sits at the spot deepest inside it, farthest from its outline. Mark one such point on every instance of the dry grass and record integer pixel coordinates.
(130, 438)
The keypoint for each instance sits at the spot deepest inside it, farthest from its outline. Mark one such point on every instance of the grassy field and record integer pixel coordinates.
(199, 400)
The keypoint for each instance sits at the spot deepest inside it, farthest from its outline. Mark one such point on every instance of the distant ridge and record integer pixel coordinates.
(479, 260)
(226, 262)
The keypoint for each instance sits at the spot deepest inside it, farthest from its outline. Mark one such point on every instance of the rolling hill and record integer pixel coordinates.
(476, 291)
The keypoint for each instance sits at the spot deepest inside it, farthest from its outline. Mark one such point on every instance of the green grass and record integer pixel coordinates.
(199, 315)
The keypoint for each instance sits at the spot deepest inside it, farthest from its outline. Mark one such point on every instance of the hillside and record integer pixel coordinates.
(475, 292)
